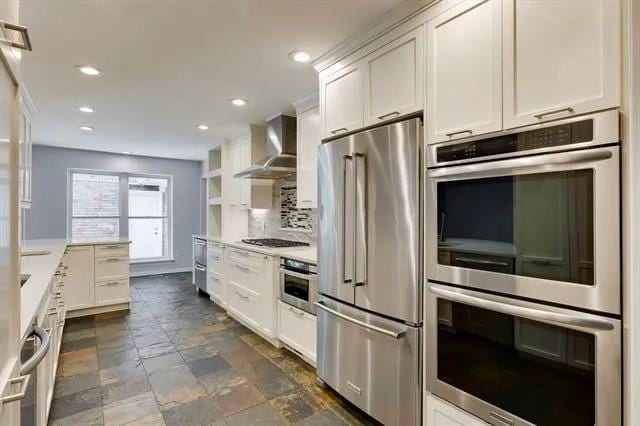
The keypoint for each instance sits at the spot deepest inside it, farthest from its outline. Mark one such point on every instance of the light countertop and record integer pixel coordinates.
(90, 242)
(41, 269)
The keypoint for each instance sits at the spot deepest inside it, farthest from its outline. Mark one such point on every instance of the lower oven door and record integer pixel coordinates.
(519, 363)
(371, 361)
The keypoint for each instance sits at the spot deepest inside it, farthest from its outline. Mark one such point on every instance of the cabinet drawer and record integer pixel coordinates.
(298, 330)
(111, 268)
(245, 304)
(112, 250)
(215, 286)
(110, 292)
(247, 258)
(214, 249)
(215, 261)
(246, 277)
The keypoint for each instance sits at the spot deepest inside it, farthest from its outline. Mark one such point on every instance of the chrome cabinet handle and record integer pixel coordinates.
(24, 379)
(111, 247)
(198, 243)
(481, 261)
(111, 284)
(386, 332)
(242, 296)
(242, 268)
(459, 132)
(45, 342)
(391, 114)
(24, 33)
(199, 268)
(341, 129)
(305, 201)
(540, 160)
(113, 260)
(300, 314)
(493, 303)
(555, 111)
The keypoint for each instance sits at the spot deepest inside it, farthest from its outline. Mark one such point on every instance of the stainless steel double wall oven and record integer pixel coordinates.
(523, 303)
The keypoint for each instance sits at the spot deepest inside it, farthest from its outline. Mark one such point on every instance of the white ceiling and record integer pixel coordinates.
(170, 65)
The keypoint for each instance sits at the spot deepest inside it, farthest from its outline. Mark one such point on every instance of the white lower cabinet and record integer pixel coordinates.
(440, 413)
(79, 280)
(251, 290)
(112, 292)
(216, 288)
(297, 329)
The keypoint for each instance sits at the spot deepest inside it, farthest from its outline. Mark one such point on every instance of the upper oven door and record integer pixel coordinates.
(512, 362)
(544, 227)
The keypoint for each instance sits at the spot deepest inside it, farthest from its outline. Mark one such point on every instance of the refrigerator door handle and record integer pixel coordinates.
(391, 333)
(346, 280)
(357, 214)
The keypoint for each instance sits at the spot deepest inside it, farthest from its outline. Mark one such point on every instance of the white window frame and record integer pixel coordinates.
(124, 206)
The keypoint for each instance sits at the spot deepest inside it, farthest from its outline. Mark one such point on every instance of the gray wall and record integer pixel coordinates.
(47, 217)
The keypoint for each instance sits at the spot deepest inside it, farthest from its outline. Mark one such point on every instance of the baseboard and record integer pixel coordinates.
(159, 271)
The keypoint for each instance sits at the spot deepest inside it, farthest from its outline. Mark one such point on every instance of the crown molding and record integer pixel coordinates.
(308, 102)
(387, 22)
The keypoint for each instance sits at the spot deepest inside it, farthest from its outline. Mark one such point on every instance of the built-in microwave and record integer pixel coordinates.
(298, 284)
(514, 362)
(533, 213)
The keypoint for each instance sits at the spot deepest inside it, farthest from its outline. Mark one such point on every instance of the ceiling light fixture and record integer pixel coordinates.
(203, 127)
(89, 70)
(299, 56)
(238, 101)
(87, 128)
(86, 109)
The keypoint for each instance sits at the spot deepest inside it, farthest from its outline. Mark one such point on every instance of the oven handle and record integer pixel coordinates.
(517, 163)
(310, 277)
(486, 302)
(390, 333)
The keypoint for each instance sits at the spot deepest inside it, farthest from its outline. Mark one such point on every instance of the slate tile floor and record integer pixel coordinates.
(178, 359)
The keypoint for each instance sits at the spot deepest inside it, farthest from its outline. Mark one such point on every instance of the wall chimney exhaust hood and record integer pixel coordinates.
(281, 151)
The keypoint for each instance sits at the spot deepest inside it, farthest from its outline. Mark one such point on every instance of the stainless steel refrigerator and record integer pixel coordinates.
(370, 270)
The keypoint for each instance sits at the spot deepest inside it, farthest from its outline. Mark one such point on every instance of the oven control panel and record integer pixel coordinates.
(563, 134)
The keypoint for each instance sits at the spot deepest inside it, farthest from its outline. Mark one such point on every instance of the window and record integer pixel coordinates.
(95, 212)
(105, 205)
(149, 217)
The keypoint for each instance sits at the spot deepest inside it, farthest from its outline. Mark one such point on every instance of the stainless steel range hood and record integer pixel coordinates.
(281, 152)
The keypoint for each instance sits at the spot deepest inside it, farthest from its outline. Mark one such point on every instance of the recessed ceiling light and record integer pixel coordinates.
(299, 56)
(86, 109)
(89, 70)
(87, 128)
(203, 127)
(238, 101)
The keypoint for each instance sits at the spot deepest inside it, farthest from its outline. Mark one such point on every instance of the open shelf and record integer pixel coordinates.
(215, 201)
(215, 159)
(214, 227)
(215, 173)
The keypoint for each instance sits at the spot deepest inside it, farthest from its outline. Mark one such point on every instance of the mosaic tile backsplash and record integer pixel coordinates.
(284, 221)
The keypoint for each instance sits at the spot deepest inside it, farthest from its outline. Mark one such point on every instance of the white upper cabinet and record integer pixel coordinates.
(307, 157)
(464, 77)
(341, 101)
(27, 112)
(393, 78)
(561, 58)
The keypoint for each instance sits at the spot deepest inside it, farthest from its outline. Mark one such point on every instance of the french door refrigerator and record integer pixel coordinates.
(370, 270)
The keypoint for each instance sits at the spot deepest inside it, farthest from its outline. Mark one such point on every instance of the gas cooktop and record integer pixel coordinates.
(273, 242)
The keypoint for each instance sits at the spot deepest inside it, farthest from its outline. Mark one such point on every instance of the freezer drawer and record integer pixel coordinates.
(200, 251)
(373, 362)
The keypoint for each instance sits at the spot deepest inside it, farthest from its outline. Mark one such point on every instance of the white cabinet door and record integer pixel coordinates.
(9, 248)
(341, 101)
(307, 173)
(440, 413)
(79, 283)
(464, 77)
(393, 77)
(560, 58)
(112, 292)
(297, 329)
